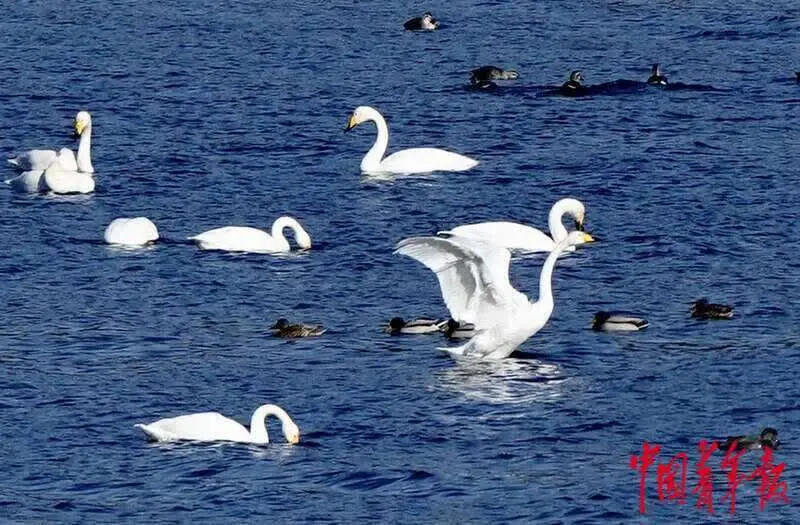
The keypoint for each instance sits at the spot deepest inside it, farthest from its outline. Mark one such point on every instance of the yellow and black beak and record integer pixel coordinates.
(79, 126)
(588, 238)
(579, 225)
(351, 123)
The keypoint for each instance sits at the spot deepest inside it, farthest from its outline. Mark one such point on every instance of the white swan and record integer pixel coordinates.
(246, 239)
(515, 236)
(415, 160)
(40, 159)
(61, 177)
(26, 182)
(473, 277)
(213, 426)
(136, 231)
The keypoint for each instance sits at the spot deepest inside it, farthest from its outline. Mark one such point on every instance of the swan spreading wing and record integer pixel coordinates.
(473, 276)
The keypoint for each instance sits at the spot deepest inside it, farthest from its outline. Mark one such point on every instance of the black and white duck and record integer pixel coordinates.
(618, 322)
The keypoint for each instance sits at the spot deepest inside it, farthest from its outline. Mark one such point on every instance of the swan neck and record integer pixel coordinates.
(300, 234)
(258, 423)
(546, 277)
(84, 148)
(555, 222)
(372, 160)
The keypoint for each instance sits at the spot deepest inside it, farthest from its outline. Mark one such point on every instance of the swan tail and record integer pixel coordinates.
(14, 161)
(154, 434)
(458, 351)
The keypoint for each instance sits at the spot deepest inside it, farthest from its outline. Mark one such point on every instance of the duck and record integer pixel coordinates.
(473, 278)
(282, 328)
(456, 330)
(573, 86)
(768, 438)
(131, 231)
(484, 76)
(40, 160)
(618, 322)
(398, 325)
(656, 77)
(702, 309)
(253, 240)
(407, 161)
(426, 22)
(61, 177)
(515, 236)
(213, 426)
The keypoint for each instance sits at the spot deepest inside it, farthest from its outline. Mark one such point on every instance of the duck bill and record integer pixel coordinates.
(351, 123)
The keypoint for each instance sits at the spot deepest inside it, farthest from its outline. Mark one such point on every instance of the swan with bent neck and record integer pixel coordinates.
(39, 159)
(253, 240)
(515, 236)
(473, 277)
(213, 426)
(407, 161)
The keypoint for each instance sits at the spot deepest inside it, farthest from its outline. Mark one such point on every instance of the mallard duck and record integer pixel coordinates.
(656, 78)
(456, 330)
(283, 328)
(418, 326)
(702, 309)
(768, 438)
(573, 86)
(617, 322)
(426, 22)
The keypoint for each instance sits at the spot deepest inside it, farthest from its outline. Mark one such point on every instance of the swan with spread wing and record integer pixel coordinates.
(473, 277)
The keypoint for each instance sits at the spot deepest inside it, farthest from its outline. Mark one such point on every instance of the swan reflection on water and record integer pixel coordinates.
(510, 380)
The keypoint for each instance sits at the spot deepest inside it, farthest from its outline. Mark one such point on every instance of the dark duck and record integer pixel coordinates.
(426, 22)
(484, 76)
(283, 328)
(768, 438)
(702, 309)
(573, 86)
(657, 78)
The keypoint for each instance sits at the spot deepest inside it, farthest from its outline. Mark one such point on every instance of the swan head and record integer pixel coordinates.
(291, 432)
(575, 208)
(303, 239)
(578, 237)
(360, 114)
(82, 122)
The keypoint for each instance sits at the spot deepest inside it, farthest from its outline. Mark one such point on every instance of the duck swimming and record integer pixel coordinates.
(702, 309)
(573, 86)
(618, 322)
(282, 328)
(656, 77)
(768, 438)
(482, 77)
(418, 326)
(426, 22)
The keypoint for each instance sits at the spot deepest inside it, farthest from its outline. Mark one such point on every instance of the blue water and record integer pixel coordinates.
(218, 113)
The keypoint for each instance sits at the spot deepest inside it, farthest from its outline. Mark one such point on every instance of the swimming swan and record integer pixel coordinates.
(414, 160)
(473, 277)
(253, 240)
(515, 236)
(61, 176)
(39, 159)
(213, 426)
(136, 231)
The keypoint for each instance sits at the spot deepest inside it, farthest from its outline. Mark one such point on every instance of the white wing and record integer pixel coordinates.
(35, 159)
(238, 239)
(424, 160)
(511, 235)
(206, 426)
(473, 276)
(131, 231)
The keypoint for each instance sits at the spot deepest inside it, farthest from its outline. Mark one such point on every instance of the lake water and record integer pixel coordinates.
(218, 113)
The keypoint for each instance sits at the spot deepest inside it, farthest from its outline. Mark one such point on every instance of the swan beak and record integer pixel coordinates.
(294, 439)
(588, 238)
(79, 126)
(351, 123)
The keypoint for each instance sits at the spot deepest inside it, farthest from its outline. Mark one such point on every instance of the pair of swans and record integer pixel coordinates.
(407, 161)
(253, 240)
(515, 236)
(58, 172)
(473, 277)
(213, 426)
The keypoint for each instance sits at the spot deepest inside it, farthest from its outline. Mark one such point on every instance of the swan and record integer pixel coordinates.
(39, 159)
(515, 236)
(246, 239)
(414, 160)
(61, 177)
(136, 231)
(473, 277)
(213, 426)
